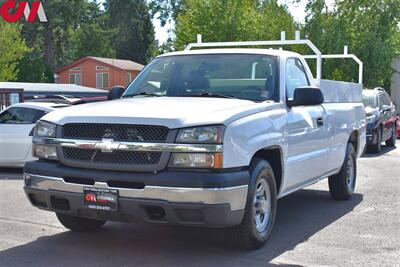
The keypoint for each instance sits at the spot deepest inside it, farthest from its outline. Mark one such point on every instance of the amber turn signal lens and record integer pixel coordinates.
(196, 160)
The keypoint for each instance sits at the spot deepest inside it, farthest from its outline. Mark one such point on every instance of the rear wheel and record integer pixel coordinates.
(392, 141)
(377, 146)
(260, 212)
(79, 224)
(342, 185)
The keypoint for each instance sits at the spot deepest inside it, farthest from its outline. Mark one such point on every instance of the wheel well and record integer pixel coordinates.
(354, 140)
(274, 157)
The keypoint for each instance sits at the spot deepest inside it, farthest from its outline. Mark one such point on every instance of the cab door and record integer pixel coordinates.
(306, 133)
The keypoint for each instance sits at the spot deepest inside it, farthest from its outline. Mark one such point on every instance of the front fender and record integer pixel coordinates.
(246, 136)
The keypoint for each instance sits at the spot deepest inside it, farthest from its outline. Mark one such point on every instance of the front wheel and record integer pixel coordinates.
(79, 224)
(261, 206)
(342, 185)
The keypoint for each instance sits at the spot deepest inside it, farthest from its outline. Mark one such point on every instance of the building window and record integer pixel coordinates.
(128, 78)
(101, 68)
(76, 69)
(75, 78)
(102, 80)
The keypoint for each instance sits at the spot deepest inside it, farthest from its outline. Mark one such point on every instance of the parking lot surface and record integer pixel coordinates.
(310, 230)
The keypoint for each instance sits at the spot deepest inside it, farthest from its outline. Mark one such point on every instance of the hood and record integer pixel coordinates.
(172, 112)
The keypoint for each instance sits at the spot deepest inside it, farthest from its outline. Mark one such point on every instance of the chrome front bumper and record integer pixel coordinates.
(234, 196)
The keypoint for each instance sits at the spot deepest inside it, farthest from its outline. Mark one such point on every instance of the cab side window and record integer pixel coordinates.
(295, 76)
(21, 116)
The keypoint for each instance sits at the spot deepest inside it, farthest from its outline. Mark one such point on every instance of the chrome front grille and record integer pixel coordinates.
(120, 160)
(117, 132)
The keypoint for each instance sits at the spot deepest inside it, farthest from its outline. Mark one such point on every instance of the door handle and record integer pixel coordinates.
(320, 122)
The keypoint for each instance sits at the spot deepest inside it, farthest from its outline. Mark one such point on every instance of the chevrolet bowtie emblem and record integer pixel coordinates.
(107, 145)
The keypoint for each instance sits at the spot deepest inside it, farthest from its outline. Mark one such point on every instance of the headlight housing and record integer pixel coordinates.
(212, 134)
(206, 134)
(45, 129)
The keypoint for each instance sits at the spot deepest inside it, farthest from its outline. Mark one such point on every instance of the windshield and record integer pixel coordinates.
(369, 100)
(244, 76)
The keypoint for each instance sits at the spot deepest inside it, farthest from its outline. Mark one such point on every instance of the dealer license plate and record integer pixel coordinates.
(100, 198)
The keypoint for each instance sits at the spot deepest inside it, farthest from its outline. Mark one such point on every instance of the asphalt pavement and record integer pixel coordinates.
(311, 230)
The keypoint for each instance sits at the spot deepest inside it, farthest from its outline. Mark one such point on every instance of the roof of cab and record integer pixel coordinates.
(257, 51)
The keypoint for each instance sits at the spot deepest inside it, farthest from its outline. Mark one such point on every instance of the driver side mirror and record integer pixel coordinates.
(116, 92)
(386, 108)
(306, 96)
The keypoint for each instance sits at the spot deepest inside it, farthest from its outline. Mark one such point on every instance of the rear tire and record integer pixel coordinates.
(342, 185)
(261, 206)
(392, 141)
(377, 147)
(79, 224)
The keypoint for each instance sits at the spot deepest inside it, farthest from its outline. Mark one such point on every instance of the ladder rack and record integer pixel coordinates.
(297, 41)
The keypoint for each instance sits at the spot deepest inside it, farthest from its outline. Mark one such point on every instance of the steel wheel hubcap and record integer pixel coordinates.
(262, 205)
(350, 174)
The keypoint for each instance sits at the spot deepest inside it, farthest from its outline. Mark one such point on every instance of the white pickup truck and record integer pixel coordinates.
(209, 137)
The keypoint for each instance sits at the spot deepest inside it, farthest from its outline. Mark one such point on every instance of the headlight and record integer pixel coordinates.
(45, 152)
(45, 129)
(205, 134)
(371, 119)
(196, 160)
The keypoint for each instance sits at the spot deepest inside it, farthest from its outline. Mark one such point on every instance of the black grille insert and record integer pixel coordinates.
(123, 184)
(117, 132)
(115, 157)
(74, 180)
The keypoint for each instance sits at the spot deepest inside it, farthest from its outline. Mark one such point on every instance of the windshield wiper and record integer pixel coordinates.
(141, 94)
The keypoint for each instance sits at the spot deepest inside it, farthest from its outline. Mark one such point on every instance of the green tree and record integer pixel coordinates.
(92, 40)
(231, 20)
(54, 37)
(369, 27)
(92, 37)
(32, 68)
(12, 49)
(75, 28)
(134, 31)
(166, 10)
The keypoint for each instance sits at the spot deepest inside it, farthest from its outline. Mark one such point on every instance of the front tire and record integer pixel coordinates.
(79, 224)
(342, 185)
(261, 207)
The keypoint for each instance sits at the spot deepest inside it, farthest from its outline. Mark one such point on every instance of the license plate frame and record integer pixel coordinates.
(102, 199)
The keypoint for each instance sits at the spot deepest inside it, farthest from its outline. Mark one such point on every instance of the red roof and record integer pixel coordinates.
(120, 64)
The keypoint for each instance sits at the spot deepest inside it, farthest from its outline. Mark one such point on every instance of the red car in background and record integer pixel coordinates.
(398, 126)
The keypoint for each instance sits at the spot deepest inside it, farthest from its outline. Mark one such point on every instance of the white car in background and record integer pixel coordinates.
(16, 129)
